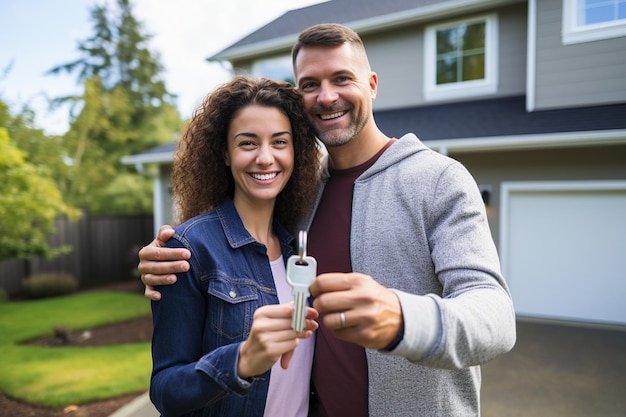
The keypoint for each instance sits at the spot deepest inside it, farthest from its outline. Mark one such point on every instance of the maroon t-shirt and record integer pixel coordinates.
(339, 375)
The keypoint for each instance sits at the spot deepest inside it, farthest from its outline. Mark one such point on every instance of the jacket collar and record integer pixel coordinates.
(236, 233)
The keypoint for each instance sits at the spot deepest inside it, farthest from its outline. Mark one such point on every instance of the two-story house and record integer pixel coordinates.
(530, 95)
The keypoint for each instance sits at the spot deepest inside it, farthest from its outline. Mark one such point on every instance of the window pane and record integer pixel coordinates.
(599, 11)
(446, 41)
(474, 67)
(621, 10)
(274, 68)
(446, 71)
(461, 53)
(599, 14)
(474, 36)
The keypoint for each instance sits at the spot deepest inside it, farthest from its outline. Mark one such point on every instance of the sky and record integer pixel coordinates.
(37, 35)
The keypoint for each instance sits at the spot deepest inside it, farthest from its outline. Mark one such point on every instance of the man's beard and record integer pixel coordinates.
(339, 137)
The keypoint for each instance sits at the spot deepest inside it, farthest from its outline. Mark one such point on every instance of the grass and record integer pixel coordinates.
(60, 376)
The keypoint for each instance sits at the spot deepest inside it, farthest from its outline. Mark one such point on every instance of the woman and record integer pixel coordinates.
(244, 173)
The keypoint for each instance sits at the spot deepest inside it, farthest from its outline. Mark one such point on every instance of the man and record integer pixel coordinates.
(410, 291)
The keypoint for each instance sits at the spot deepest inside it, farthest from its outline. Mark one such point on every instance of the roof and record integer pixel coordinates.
(160, 154)
(502, 116)
(361, 16)
(498, 123)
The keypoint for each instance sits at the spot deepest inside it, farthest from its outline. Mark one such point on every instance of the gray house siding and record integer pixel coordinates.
(165, 188)
(397, 59)
(512, 50)
(563, 78)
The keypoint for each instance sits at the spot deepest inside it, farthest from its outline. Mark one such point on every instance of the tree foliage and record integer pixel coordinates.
(124, 109)
(29, 204)
(43, 151)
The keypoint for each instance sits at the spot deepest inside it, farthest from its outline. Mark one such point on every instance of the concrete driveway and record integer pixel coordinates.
(558, 370)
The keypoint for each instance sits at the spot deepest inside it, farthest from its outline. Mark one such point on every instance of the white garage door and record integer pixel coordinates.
(563, 249)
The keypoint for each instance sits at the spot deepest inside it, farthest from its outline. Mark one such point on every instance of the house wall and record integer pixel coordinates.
(163, 197)
(397, 57)
(582, 74)
(565, 164)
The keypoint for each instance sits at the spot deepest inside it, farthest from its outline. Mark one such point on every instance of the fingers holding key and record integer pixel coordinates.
(357, 308)
(272, 338)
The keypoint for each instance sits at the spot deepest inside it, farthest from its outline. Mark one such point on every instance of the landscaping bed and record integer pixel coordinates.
(132, 331)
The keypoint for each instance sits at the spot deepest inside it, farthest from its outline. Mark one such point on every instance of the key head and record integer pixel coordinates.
(301, 273)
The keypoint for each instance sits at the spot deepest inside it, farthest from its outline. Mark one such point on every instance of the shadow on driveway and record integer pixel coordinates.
(558, 370)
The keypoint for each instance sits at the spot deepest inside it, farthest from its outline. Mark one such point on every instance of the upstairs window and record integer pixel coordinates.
(460, 58)
(591, 20)
(278, 68)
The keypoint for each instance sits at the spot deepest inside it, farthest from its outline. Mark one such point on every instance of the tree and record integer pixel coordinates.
(29, 204)
(125, 108)
(41, 150)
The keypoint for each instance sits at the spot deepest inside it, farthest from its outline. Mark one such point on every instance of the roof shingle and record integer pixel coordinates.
(496, 117)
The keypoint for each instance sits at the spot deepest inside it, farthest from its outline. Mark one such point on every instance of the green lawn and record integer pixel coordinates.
(59, 376)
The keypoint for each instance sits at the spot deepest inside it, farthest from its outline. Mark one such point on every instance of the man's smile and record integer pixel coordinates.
(332, 115)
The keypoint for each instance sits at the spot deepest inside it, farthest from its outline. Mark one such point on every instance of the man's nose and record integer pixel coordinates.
(328, 93)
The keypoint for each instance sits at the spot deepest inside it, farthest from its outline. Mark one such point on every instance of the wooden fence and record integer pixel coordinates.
(104, 249)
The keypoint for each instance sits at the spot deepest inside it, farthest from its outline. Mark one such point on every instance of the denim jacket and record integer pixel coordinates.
(200, 323)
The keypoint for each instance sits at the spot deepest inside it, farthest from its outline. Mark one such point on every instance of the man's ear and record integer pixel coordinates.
(373, 80)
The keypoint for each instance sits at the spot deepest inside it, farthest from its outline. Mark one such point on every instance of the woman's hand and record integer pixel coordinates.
(272, 338)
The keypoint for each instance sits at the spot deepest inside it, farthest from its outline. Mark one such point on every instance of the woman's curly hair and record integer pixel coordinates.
(200, 177)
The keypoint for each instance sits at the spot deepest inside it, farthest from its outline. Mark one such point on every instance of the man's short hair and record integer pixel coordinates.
(326, 34)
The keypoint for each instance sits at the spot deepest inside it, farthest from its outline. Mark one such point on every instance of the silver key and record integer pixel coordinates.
(301, 271)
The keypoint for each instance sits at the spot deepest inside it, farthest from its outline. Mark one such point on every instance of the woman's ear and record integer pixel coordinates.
(226, 159)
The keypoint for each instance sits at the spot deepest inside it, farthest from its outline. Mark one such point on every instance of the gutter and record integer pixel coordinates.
(148, 158)
(532, 141)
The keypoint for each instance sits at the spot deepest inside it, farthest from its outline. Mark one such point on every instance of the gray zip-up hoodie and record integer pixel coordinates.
(419, 227)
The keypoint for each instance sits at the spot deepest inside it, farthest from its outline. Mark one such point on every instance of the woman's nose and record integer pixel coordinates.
(265, 155)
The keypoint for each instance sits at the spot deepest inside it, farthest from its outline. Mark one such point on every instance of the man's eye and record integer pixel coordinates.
(307, 86)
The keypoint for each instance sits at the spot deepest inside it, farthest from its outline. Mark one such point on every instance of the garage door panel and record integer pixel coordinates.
(565, 250)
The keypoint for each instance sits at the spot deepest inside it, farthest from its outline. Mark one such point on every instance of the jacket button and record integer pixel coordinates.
(232, 294)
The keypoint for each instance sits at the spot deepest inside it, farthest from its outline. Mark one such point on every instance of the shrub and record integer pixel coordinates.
(49, 284)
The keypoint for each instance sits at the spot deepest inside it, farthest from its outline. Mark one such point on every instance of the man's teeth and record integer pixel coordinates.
(264, 177)
(332, 115)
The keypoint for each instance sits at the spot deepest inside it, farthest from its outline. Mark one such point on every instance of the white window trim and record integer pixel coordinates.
(572, 33)
(488, 85)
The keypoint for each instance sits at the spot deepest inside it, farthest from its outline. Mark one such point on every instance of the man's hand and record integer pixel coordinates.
(158, 264)
(372, 316)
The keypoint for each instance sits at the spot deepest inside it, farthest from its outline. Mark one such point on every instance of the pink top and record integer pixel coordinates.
(288, 393)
